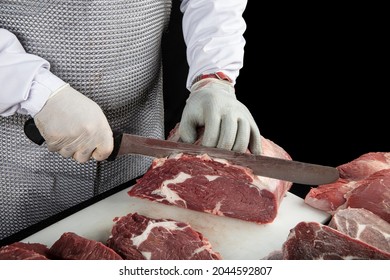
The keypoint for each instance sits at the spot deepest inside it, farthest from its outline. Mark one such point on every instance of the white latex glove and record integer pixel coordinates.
(228, 124)
(75, 126)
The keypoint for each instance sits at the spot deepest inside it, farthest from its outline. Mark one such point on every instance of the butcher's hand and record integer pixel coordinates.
(227, 123)
(75, 126)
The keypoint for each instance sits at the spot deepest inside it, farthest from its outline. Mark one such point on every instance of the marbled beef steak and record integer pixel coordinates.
(137, 237)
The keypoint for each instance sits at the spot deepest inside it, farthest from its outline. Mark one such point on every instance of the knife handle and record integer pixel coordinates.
(117, 145)
(32, 132)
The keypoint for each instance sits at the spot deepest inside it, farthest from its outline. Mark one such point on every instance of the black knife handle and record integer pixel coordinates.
(117, 145)
(32, 132)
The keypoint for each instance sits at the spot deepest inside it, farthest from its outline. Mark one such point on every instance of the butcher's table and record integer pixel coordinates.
(232, 238)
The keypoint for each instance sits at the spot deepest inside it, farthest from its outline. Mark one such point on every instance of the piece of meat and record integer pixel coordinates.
(215, 186)
(364, 166)
(315, 241)
(360, 206)
(363, 225)
(353, 174)
(329, 197)
(71, 246)
(36, 247)
(137, 237)
(24, 251)
(373, 193)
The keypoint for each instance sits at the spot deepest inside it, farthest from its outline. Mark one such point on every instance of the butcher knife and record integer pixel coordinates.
(282, 169)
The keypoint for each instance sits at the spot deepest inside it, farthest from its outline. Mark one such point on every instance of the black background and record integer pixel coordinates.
(314, 78)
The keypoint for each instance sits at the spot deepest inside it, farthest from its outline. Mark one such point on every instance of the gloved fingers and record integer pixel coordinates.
(211, 131)
(104, 149)
(95, 147)
(54, 146)
(228, 132)
(242, 137)
(62, 145)
(255, 139)
(82, 155)
(187, 130)
(66, 151)
(65, 148)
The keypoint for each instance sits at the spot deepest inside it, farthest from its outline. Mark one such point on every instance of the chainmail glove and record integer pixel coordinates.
(227, 123)
(75, 126)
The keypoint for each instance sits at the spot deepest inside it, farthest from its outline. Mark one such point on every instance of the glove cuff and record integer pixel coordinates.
(59, 90)
(217, 75)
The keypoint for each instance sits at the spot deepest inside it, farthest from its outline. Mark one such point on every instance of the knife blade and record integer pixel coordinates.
(282, 169)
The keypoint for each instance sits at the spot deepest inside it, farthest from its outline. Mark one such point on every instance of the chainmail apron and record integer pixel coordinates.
(108, 50)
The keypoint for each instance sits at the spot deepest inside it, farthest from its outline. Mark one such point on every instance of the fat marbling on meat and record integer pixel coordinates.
(362, 224)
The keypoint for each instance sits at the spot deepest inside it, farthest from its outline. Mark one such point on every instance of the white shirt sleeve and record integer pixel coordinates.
(25, 79)
(213, 32)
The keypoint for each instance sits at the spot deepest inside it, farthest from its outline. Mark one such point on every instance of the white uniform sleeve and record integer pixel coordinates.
(25, 79)
(213, 32)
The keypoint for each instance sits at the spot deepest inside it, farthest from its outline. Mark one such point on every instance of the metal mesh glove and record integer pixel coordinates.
(227, 123)
(75, 126)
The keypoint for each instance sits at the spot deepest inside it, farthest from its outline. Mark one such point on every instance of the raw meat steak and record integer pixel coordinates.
(137, 237)
(353, 174)
(315, 241)
(215, 186)
(24, 251)
(71, 246)
(364, 225)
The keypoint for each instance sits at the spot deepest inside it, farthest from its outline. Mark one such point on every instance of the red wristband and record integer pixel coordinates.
(217, 75)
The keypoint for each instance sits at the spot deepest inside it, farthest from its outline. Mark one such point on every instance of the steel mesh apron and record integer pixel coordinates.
(108, 50)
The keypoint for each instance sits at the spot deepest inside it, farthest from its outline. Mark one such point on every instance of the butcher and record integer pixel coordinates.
(82, 69)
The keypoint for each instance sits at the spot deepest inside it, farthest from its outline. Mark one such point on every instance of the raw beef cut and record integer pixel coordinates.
(373, 193)
(315, 241)
(364, 166)
(353, 174)
(24, 251)
(137, 237)
(364, 225)
(215, 186)
(71, 246)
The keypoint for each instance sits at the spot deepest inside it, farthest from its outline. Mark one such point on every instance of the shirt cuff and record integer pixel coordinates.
(43, 86)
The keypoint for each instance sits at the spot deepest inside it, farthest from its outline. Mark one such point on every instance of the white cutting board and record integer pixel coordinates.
(232, 238)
